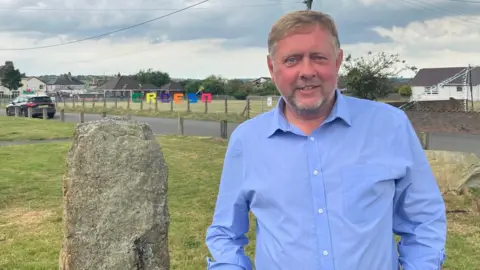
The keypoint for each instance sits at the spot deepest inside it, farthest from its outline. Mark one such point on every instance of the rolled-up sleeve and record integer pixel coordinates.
(419, 209)
(226, 236)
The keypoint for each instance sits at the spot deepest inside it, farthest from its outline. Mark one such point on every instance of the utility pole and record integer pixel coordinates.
(471, 85)
(308, 3)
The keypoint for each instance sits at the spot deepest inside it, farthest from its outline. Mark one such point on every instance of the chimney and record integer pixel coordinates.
(8, 63)
(69, 76)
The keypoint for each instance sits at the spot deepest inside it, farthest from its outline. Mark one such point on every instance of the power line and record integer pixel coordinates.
(438, 10)
(465, 1)
(105, 34)
(276, 3)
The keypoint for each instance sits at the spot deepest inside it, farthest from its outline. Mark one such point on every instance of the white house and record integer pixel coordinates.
(423, 84)
(33, 85)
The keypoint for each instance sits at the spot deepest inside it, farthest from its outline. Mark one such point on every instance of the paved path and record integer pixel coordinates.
(438, 141)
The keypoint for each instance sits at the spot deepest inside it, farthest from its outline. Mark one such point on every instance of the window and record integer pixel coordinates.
(459, 89)
(431, 90)
(40, 99)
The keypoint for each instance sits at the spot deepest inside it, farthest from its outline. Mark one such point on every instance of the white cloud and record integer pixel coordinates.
(195, 58)
(441, 42)
(222, 37)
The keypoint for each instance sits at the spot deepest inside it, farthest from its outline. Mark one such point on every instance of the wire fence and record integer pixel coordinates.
(252, 106)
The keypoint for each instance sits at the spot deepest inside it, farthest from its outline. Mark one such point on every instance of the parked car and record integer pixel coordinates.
(37, 103)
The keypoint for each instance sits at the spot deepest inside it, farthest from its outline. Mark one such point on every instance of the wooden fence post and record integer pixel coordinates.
(30, 112)
(180, 127)
(427, 140)
(226, 104)
(82, 117)
(223, 129)
(44, 113)
(62, 115)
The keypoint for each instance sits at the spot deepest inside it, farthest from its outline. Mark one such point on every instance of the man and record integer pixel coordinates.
(328, 177)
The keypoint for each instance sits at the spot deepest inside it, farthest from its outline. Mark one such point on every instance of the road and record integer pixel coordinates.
(438, 141)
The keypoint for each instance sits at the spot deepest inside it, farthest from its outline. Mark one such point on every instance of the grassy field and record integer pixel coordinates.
(12, 128)
(31, 206)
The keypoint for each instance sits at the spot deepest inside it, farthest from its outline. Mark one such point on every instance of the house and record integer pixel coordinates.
(33, 85)
(122, 86)
(65, 82)
(260, 81)
(172, 86)
(424, 82)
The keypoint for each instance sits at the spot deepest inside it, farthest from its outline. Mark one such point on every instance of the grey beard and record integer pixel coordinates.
(304, 111)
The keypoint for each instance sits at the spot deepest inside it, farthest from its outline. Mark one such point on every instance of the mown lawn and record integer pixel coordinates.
(31, 210)
(23, 128)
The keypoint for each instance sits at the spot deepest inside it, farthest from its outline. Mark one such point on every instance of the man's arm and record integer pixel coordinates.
(226, 236)
(419, 210)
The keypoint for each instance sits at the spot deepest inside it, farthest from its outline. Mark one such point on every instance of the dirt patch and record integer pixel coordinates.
(23, 217)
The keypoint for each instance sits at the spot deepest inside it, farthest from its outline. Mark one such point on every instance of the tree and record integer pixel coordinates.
(12, 78)
(268, 88)
(214, 84)
(405, 90)
(150, 76)
(370, 78)
(191, 85)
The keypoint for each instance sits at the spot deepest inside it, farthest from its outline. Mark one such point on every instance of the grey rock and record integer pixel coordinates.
(115, 199)
(454, 170)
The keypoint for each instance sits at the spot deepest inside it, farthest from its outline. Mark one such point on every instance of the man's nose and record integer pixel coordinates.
(307, 72)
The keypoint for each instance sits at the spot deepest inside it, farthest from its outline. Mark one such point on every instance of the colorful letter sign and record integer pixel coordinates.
(165, 97)
(178, 98)
(192, 98)
(207, 97)
(137, 97)
(151, 97)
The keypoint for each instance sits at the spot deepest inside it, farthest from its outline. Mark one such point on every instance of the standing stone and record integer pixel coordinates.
(454, 170)
(115, 199)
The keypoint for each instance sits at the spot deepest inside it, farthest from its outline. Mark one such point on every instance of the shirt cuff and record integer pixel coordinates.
(211, 265)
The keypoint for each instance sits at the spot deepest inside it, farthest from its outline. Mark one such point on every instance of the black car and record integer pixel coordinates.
(37, 103)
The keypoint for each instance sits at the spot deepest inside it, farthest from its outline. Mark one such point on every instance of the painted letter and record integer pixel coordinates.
(207, 97)
(178, 98)
(136, 97)
(192, 98)
(165, 97)
(151, 97)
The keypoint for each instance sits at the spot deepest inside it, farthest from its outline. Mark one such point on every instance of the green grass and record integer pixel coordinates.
(31, 206)
(31, 201)
(21, 128)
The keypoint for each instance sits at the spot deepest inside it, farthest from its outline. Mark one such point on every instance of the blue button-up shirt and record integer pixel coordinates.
(331, 200)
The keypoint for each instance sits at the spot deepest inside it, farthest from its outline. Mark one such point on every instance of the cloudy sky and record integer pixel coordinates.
(222, 37)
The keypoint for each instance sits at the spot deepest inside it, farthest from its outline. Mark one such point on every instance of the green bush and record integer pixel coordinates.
(405, 91)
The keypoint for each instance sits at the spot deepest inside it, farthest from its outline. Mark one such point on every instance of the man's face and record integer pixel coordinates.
(304, 67)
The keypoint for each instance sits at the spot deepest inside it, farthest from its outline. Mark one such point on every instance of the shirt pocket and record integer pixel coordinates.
(367, 192)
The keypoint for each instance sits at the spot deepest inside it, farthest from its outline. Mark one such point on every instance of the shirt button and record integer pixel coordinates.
(315, 172)
(325, 252)
(320, 211)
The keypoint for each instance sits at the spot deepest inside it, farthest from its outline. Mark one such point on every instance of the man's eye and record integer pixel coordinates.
(318, 58)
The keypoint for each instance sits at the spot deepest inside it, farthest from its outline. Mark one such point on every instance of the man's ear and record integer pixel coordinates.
(339, 60)
(270, 67)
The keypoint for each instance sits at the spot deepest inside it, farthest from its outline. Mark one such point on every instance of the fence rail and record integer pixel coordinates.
(250, 107)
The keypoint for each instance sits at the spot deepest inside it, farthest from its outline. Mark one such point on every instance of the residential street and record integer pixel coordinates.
(438, 141)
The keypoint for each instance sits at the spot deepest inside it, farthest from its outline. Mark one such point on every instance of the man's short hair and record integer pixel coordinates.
(297, 19)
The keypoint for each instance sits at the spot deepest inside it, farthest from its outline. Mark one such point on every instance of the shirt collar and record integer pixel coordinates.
(339, 111)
